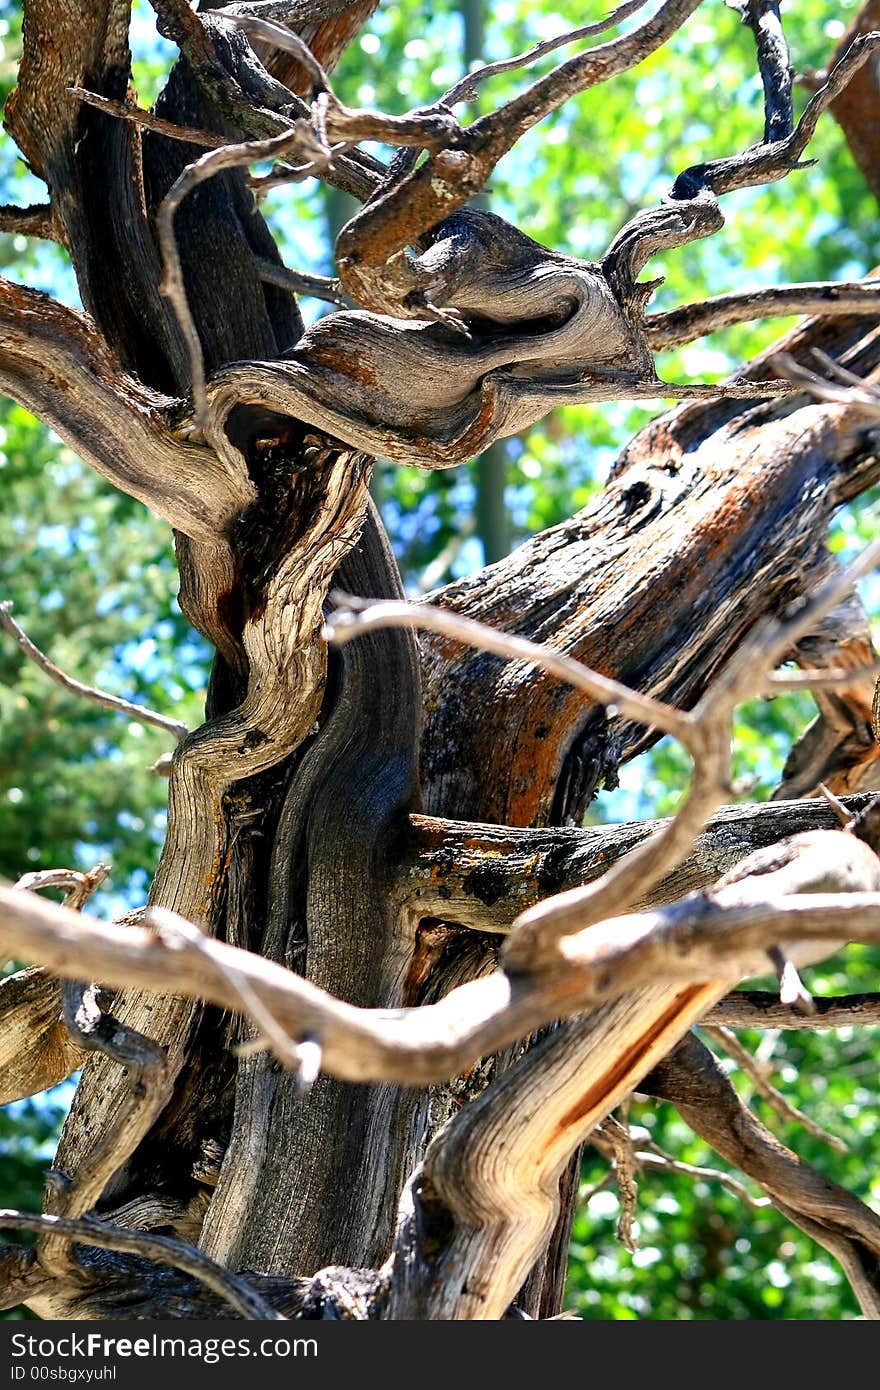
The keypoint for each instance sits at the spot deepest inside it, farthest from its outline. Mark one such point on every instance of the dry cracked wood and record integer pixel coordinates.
(482, 876)
(703, 497)
(255, 573)
(485, 1194)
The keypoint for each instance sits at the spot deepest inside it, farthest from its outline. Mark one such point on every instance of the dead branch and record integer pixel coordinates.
(647, 1155)
(79, 886)
(38, 220)
(466, 87)
(709, 743)
(820, 680)
(705, 732)
(678, 326)
(768, 163)
(89, 1231)
(478, 400)
(87, 692)
(300, 282)
(696, 939)
(755, 1009)
(454, 396)
(844, 389)
(369, 249)
(54, 363)
(691, 1078)
(250, 99)
(621, 1152)
(124, 111)
(774, 1098)
(482, 876)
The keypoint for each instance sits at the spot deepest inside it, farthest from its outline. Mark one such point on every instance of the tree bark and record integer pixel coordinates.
(299, 812)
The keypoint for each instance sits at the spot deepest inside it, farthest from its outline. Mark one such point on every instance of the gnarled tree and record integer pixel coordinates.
(384, 987)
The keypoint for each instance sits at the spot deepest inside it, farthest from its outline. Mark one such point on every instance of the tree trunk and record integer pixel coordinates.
(298, 812)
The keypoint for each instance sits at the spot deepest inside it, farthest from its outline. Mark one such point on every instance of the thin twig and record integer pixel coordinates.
(783, 1108)
(821, 680)
(843, 814)
(617, 1132)
(838, 372)
(38, 220)
(698, 1086)
(651, 1155)
(675, 327)
(300, 282)
(861, 394)
(429, 127)
(465, 88)
(503, 127)
(161, 1249)
(792, 990)
(647, 1154)
(353, 616)
(88, 692)
(79, 886)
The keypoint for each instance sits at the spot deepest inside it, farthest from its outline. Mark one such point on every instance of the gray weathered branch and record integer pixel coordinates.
(53, 362)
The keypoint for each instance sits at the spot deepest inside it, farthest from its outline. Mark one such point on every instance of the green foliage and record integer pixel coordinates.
(91, 577)
(703, 1253)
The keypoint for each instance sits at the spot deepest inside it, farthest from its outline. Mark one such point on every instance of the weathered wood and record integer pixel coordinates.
(288, 807)
(713, 516)
(486, 1197)
(54, 363)
(330, 916)
(686, 537)
(272, 663)
(482, 876)
(36, 1050)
